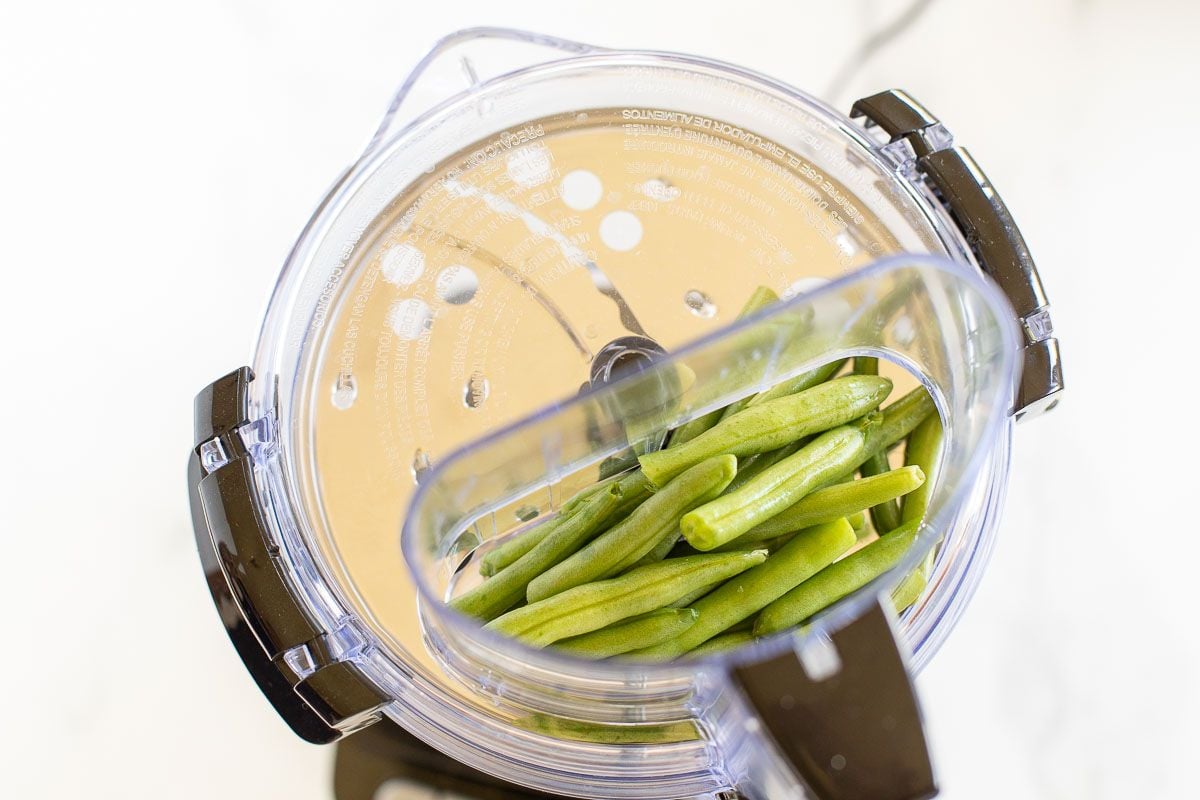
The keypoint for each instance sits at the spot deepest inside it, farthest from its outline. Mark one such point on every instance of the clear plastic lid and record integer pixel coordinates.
(543, 210)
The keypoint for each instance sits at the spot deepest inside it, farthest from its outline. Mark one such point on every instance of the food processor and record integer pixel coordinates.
(533, 269)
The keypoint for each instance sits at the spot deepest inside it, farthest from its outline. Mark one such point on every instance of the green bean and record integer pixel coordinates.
(866, 365)
(909, 590)
(651, 628)
(721, 644)
(923, 450)
(501, 592)
(899, 420)
(517, 545)
(591, 606)
(836, 581)
(615, 465)
(658, 553)
(806, 554)
(805, 380)
(857, 520)
(760, 299)
(696, 594)
(753, 465)
(574, 730)
(634, 489)
(885, 516)
(833, 502)
(693, 428)
(650, 523)
(776, 488)
(773, 425)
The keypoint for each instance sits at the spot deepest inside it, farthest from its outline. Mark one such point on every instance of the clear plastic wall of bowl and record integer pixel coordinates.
(942, 321)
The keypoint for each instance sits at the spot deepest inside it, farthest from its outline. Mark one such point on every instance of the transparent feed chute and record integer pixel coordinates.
(535, 268)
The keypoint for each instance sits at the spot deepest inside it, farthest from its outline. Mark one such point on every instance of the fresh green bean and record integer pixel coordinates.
(833, 502)
(923, 451)
(782, 485)
(805, 380)
(507, 587)
(885, 516)
(909, 590)
(574, 730)
(693, 428)
(591, 606)
(615, 465)
(806, 554)
(866, 365)
(836, 581)
(633, 487)
(660, 551)
(651, 628)
(517, 545)
(753, 465)
(721, 643)
(760, 299)
(899, 420)
(773, 425)
(857, 520)
(651, 522)
(696, 594)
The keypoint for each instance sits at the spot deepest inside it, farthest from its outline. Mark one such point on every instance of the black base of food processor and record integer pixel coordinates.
(385, 752)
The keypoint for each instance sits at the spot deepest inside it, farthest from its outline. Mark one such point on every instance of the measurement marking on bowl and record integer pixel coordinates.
(477, 390)
(700, 304)
(402, 264)
(345, 391)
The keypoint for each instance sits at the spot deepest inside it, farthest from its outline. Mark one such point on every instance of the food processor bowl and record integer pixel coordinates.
(536, 264)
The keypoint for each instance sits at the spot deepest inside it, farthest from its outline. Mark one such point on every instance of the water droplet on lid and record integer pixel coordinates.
(409, 318)
(659, 189)
(700, 304)
(477, 390)
(420, 465)
(345, 391)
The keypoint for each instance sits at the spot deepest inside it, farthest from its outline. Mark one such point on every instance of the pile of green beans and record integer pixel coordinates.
(752, 520)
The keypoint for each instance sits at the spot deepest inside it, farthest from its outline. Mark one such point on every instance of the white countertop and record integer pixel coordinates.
(158, 160)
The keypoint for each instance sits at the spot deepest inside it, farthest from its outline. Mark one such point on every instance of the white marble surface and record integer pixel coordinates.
(157, 160)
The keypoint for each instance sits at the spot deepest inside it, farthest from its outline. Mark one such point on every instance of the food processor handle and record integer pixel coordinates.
(843, 712)
(924, 149)
(301, 668)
